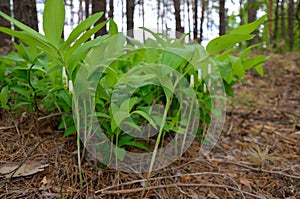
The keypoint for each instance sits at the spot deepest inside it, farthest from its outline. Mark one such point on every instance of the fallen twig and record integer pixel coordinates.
(254, 169)
(126, 191)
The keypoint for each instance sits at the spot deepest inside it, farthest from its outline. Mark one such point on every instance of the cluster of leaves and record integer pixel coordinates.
(32, 76)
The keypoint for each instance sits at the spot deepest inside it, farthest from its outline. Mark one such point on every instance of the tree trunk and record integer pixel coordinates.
(158, 14)
(270, 16)
(252, 17)
(100, 6)
(195, 20)
(179, 28)
(87, 8)
(241, 12)
(283, 35)
(25, 11)
(80, 12)
(129, 15)
(189, 19)
(202, 21)
(222, 29)
(276, 20)
(4, 7)
(111, 9)
(291, 24)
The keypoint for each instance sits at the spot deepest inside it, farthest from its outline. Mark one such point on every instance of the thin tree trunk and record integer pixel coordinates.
(111, 9)
(222, 29)
(177, 16)
(241, 12)
(143, 12)
(25, 11)
(130, 14)
(270, 16)
(276, 21)
(283, 34)
(4, 7)
(291, 24)
(196, 20)
(202, 21)
(72, 14)
(158, 14)
(162, 17)
(87, 8)
(189, 19)
(100, 6)
(252, 17)
(80, 12)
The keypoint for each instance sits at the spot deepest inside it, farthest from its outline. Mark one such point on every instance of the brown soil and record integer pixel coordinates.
(258, 154)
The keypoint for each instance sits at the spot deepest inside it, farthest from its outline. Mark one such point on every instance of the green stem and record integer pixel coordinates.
(78, 142)
(157, 144)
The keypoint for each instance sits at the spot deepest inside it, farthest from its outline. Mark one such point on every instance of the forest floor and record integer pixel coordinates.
(257, 156)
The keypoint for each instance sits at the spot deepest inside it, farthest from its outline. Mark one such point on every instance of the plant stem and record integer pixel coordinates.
(78, 142)
(157, 144)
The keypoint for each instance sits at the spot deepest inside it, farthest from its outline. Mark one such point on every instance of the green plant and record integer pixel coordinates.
(123, 85)
(36, 74)
(129, 77)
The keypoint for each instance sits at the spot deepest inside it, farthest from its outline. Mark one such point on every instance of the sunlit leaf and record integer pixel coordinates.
(248, 28)
(83, 26)
(113, 28)
(225, 41)
(146, 116)
(54, 20)
(260, 70)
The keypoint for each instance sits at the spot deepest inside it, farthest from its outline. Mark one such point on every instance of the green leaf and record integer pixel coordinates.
(103, 115)
(253, 61)
(248, 28)
(225, 41)
(87, 35)
(113, 28)
(32, 40)
(4, 97)
(225, 69)
(83, 26)
(22, 26)
(65, 96)
(146, 116)
(238, 69)
(54, 20)
(120, 153)
(133, 125)
(260, 70)
(137, 145)
(155, 35)
(244, 53)
(20, 90)
(124, 139)
(73, 58)
(71, 130)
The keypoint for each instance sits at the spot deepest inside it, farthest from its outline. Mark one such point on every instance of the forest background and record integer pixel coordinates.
(204, 20)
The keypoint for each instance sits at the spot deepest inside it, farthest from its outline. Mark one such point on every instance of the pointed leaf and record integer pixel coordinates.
(225, 41)
(83, 26)
(137, 145)
(113, 28)
(248, 28)
(24, 27)
(260, 70)
(54, 20)
(32, 40)
(87, 35)
(155, 35)
(146, 116)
